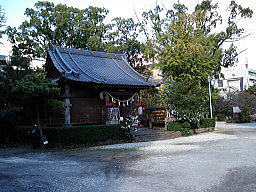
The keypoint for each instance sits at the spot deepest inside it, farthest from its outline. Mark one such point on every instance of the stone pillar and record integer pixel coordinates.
(66, 98)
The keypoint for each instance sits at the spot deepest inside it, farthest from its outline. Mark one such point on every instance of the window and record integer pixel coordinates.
(220, 83)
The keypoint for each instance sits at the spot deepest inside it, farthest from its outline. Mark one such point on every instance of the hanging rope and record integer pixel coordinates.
(122, 101)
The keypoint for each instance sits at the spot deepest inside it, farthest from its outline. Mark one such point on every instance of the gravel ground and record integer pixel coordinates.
(172, 145)
(223, 160)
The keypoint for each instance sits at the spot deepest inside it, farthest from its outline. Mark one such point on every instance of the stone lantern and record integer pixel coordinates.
(66, 99)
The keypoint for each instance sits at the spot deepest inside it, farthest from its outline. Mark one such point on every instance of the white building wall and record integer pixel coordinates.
(237, 78)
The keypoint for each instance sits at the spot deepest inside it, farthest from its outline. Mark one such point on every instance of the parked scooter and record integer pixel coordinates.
(38, 139)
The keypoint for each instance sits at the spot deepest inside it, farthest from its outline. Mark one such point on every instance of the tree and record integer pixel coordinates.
(152, 97)
(24, 89)
(60, 25)
(245, 100)
(2, 20)
(188, 52)
(16, 68)
(252, 90)
(77, 28)
(189, 99)
(187, 47)
(122, 38)
(34, 90)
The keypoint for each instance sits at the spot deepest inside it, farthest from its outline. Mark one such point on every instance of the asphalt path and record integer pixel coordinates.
(223, 160)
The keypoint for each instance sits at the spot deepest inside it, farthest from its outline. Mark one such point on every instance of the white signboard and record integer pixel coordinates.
(236, 110)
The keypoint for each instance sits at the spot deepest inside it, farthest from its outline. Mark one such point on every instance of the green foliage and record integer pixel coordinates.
(60, 25)
(183, 127)
(207, 122)
(174, 126)
(80, 135)
(185, 44)
(189, 99)
(21, 86)
(185, 52)
(221, 117)
(15, 69)
(58, 107)
(186, 129)
(152, 97)
(245, 116)
(35, 90)
(122, 38)
(2, 20)
(251, 90)
(66, 26)
(246, 101)
(188, 51)
(7, 125)
(36, 86)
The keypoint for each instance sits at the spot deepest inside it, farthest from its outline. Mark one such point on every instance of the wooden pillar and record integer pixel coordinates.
(150, 125)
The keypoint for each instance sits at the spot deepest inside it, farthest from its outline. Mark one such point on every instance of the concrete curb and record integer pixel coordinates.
(169, 135)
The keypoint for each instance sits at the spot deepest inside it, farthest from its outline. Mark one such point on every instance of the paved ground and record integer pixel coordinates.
(224, 160)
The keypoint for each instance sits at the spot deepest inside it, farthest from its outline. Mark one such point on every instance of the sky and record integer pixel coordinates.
(14, 12)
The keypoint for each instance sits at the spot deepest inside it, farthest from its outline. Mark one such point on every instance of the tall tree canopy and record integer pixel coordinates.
(123, 38)
(189, 48)
(2, 20)
(60, 25)
(78, 28)
(187, 45)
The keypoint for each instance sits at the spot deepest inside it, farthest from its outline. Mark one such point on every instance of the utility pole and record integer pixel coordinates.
(210, 97)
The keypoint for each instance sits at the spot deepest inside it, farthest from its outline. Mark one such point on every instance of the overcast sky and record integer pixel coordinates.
(14, 11)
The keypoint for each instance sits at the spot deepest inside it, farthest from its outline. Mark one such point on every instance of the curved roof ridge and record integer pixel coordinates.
(89, 52)
(83, 69)
(70, 69)
(126, 72)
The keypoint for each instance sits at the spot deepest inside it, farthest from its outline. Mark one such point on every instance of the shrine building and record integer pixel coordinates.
(97, 87)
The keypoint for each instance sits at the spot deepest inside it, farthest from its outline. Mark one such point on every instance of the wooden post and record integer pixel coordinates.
(150, 125)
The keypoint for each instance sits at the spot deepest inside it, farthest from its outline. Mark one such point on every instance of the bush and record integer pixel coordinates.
(245, 117)
(79, 135)
(207, 122)
(7, 129)
(23, 134)
(183, 127)
(174, 126)
(221, 117)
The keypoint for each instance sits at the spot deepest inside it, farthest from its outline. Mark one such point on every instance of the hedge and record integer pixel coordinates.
(183, 127)
(174, 126)
(78, 135)
(221, 117)
(207, 122)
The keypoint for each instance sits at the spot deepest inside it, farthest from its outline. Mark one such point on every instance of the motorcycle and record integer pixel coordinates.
(38, 139)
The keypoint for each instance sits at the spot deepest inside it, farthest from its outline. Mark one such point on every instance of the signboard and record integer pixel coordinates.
(236, 110)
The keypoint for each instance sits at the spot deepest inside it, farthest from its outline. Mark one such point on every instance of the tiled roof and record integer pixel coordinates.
(97, 67)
